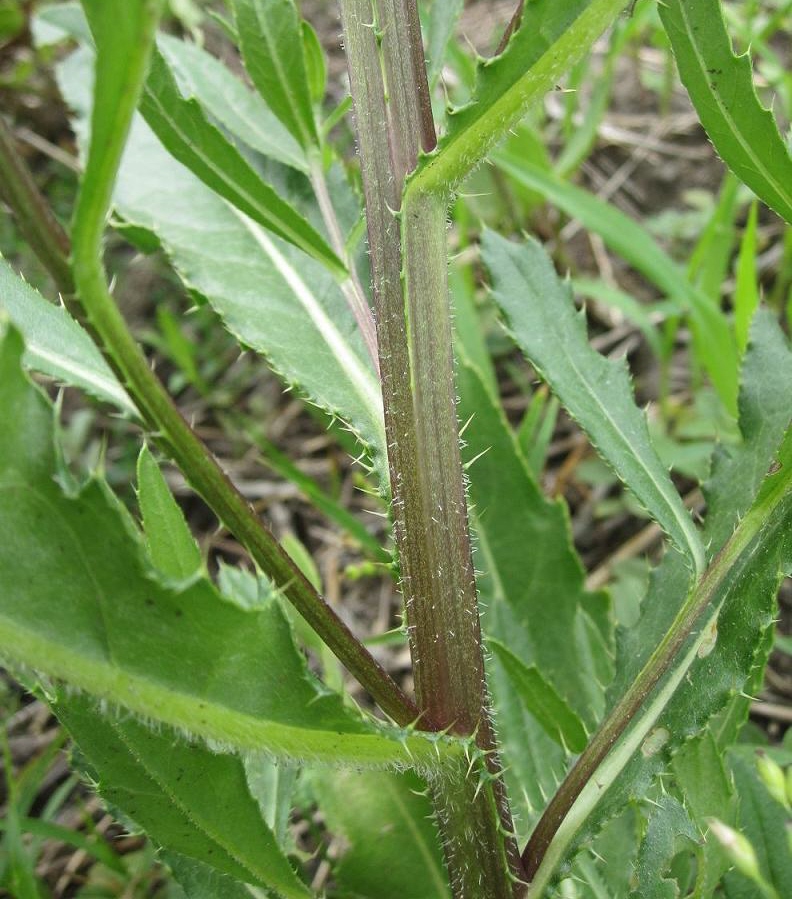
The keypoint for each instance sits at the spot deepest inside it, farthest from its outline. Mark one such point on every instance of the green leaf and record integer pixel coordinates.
(184, 796)
(669, 830)
(56, 345)
(271, 40)
(733, 606)
(534, 602)
(552, 37)
(764, 823)
(713, 340)
(82, 604)
(230, 102)
(315, 62)
(269, 295)
(392, 846)
(542, 701)
(441, 22)
(541, 316)
(200, 881)
(708, 792)
(180, 123)
(171, 546)
(744, 133)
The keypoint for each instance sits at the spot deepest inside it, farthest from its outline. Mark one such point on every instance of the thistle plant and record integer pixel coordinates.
(541, 737)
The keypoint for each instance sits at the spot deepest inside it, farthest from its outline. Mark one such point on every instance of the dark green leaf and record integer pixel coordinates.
(669, 830)
(186, 797)
(392, 846)
(542, 701)
(713, 339)
(541, 316)
(230, 102)
(744, 133)
(272, 48)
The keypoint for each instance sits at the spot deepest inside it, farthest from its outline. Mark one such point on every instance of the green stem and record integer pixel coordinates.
(199, 466)
(36, 220)
(627, 724)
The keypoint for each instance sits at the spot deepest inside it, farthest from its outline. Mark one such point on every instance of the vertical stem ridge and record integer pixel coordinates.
(417, 372)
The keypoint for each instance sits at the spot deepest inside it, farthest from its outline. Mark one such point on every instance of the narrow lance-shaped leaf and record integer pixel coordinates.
(272, 49)
(81, 604)
(187, 798)
(542, 701)
(441, 21)
(55, 344)
(720, 84)
(181, 124)
(270, 295)
(230, 102)
(172, 548)
(712, 337)
(541, 316)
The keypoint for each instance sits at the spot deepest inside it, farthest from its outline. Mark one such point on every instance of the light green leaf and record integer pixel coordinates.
(392, 846)
(744, 133)
(230, 102)
(171, 546)
(81, 604)
(764, 822)
(441, 22)
(712, 337)
(182, 127)
(541, 316)
(542, 701)
(701, 775)
(200, 881)
(271, 40)
(185, 797)
(315, 62)
(55, 344)
(552, 37)
(269, 295)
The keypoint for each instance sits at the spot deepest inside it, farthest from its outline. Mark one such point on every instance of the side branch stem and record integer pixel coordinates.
(162, 417)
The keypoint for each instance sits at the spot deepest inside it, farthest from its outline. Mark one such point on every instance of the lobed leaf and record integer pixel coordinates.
(56, 345)
(721, 86)
(541, 317)
(187, 798)
(82, 604)
(271, 41)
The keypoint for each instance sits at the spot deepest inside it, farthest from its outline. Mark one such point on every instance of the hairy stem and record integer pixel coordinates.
(416, 364)
(161, 416)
